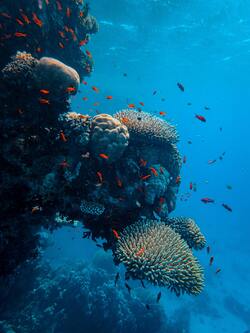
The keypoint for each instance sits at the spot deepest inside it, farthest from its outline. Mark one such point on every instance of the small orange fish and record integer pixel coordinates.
(211, 261)
(141, 103)
(25, 17)
(100, 177)
(68, 12)
(63, 137)
(124, 120)
(119, 182)
(36, 20)
(143, 162)
(61, 33)
(83, 42)
(71, 89)
(162, 113)
(89, 54)
(81, 14)
(61, 45)
(59, 6)
(218, 270)
(115, 234)
(64, 164)
(104, 156)
(44, 91)
(6, 15)
(178, 180)
(47, 2)
(140, 252)
(109, 97)
(95, 89)
(131, 106)
(35, 209)
(161, 200)
(85, 82)
(85, 98)
(19, 22)
(44, 101)
(20, 34)
(38, 49)
(154, 171)
(145, 177)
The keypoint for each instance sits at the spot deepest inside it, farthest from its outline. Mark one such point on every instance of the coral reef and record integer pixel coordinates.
(153, 251)
(75, 298)
(188, 230)
(109, 137)
(146, 128)
(91, 208)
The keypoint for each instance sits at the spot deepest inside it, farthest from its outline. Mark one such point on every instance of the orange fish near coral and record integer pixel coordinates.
(140, 252)
(162, 113)
(100, 177)
(37, 20)
(131, 106)
(143, 162)
(61, 45)
(118, 182)
(43, 101)
(89, 54)
(95, 89)
(154, 171)
(25, 17)
(63, 137)
(83, 42)
(145, 177)
(104, 156)
(68, 12)
(124, 120)
(109, 97)
(71, 89)
(59, 6)
(44, 91)
(115, 234)
(178, 180)
(64, 164)
(19, 22)
(20, 34)
(141, 103)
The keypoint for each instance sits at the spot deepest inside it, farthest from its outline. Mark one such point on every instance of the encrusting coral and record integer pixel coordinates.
(108, 136)
(146, 128)
(188, 230)
(152, 251)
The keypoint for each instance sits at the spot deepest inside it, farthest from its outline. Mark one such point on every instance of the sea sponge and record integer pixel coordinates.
(147, 128)
(92, 208)
(55, 75)
(76, 128)
(155, 252)
(188, 230)
(20, 71)
(109, 137)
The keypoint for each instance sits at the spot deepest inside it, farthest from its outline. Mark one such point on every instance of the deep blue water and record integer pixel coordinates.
(205, 45)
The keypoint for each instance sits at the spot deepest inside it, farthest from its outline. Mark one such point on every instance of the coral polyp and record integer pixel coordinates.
(153, 251)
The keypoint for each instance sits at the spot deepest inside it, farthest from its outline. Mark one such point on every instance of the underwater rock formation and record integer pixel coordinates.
(154, 252)
(188, 230)
(109, 137)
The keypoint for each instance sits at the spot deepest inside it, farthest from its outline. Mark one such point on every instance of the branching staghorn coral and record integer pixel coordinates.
(108, 136)
(146, 128)
(153, 251)
(188, 230)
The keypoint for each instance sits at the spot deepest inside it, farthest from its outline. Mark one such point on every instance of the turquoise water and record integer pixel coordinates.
(142, 50)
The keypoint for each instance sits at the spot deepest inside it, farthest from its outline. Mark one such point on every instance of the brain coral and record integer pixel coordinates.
(188, 230)
(153, 251)
(53, 74)
(108, 136)
(147, 128)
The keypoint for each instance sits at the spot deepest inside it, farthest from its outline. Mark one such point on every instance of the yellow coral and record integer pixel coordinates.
(153, 251)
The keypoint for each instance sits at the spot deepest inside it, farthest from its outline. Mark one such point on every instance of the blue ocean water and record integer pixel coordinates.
(142, 50)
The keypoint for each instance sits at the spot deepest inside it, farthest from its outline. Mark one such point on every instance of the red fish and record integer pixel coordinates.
(109, 97)
(227, 207)
(100, 177)
(44, 91)
(61, 45)
(161, 200)
(184, 159)
(83, 42)
(145, 177)
(125, 120)
(37, 20)
(191, 186)
(85, 98)
(207, 200)
(95, 89)
(61, 33)
(64, 164)
(104, 156)
(25, 17)
(20, 34)
(68, 12)
(81, 14)
(44, 101)
(59, 6)
(115, 234)
(119, 182)
(143, 162)
(211, 261)
(19, 22)
(201, 118)
(141, 103)
(63, 137)
(162, 113)
(140, 252)
(131, 106)
(178, 180)
(71, 89)
(89, 54)
(85, 82)
(218, 270)
(154, 171)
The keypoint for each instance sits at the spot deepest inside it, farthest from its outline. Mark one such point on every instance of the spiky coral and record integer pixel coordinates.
(153, 251)
(147, 128)
(188, 230)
